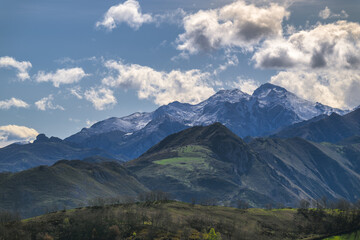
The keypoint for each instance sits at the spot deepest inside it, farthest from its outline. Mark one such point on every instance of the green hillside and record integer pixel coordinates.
(211, 164)
(66, 184)
(204, 164)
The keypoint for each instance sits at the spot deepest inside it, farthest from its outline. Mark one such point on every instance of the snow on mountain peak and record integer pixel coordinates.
(269, 108)
(232, 96)
(267, 88)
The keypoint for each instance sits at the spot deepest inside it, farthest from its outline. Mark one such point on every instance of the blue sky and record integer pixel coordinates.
(67, 64)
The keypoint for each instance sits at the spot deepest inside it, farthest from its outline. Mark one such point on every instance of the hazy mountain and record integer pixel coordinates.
(268, 109)
(313, 169)
(65, 184)
(213, 163)
(331, 128)
(43, 151)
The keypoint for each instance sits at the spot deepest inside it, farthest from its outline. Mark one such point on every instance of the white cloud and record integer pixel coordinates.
(13, 133)
(246, 85)
(163, 87)
(46, 103)
(333, 46)
(13, 102)
(62, 76)
(235, 25)
(102, 98)
(21, 67)
(327, 13)
(336, 88)
(76, 91)
(128, 12)
(320, 64)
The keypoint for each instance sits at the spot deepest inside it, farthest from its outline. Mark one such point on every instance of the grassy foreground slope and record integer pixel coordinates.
(177, 220)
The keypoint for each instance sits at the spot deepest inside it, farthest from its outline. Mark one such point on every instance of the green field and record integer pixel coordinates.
(351, 236)
(179, 161)
(188, 157)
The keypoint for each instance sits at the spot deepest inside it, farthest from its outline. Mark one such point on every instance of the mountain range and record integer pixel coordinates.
(294, 150)
(205, 164)
(267, 110)
(213, 163)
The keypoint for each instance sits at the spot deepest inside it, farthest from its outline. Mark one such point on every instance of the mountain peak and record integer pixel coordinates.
(198, 135)
(41, 138)
(232, 96)
(266, 88)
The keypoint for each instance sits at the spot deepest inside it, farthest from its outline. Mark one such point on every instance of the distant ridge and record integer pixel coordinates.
(43, 151)
(333, 128)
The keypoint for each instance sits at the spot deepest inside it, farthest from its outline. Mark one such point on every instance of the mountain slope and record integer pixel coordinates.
(213, 163)
(65, 184)
(43, 151)
(314, 169)
(204, 163)
(333, 128)
(268, 109)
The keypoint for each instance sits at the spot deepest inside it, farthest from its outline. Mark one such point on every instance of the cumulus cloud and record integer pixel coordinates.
(128, 12)
(102, 98)
(336, 88)
(46, 103)
(163, 87)
(333, 46)
(13, 102)
(21, 67)
(62, 76)
(246, 85)
(13, 133)
(235, 25)
(320, 64)
(327, 13)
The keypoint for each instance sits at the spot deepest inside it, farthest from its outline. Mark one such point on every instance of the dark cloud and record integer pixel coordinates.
(318, 60)
(250, 31)
(281, 60)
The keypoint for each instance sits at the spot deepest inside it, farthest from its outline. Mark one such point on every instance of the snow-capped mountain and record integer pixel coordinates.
(268, 109)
